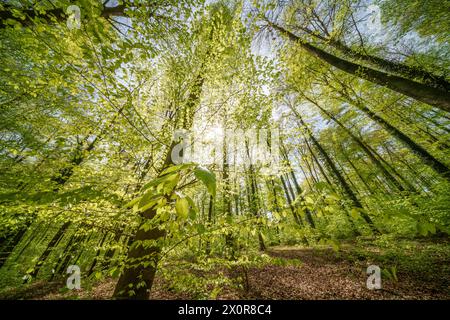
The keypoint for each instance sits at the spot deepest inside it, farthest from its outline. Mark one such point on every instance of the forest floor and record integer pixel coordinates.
(410, 270)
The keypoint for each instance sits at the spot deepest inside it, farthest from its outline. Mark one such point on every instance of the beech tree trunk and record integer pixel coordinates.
(416, 90)
(342, 182)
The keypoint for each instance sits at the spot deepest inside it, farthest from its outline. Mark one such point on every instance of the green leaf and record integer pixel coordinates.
(182, 207)
(200, 228)
(157, 181)
(170, 184)
(132, 202)
(192, 214)
(214, 293)
(354, 213)
(321, 185)
(193, 208)
(334, 245)
(423, 228)
(149, 205)
(309, 200)
(333, 197)
(115, 272)
(208, 178)
(148, 200)
(177, 168)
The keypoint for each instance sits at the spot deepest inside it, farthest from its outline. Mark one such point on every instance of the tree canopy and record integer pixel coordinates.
(145, 140)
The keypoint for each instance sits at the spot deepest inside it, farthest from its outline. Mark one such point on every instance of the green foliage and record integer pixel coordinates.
(208, 178)
(427, 17)
(88, 118)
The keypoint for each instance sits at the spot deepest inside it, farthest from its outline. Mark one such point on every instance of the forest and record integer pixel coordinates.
(212, 149)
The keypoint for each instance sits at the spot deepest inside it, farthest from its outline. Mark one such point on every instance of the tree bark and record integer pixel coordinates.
(410, 72)
(419, 91)
(136, 280)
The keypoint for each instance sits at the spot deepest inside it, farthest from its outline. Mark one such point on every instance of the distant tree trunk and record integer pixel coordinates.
(65, 174)
(416, 90)
(423, 154)
(410, 72)
(107, 258)
(62, 257)
(67, 256)
(297, 186)
(254, 197)
(332, 187)
(229, 239)
(342, 182)
(52, 244)
(8, 246)
(289, 186)
(289, 201)
(355, 169)
(271, 186)
(32, 238)
(430, 137)
(308, 182)
(97, 254)
(318, 163)
(361, 144)
(406, 182)
(210, 219)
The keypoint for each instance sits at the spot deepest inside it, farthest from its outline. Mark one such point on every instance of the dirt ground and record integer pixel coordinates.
(321, 274)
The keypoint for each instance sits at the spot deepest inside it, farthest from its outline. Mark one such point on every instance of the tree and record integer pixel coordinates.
(432, 96)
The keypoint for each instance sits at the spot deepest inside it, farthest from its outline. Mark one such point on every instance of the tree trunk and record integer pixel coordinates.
(345, 186)
(297, 186)
(362, 145)
(410, 72)
(423, 154)
(50, 246)
(136, 280)
(419, 91)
